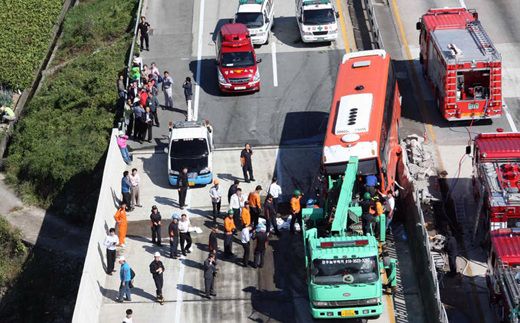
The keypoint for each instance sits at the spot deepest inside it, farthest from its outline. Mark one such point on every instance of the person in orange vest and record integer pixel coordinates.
(246, 215)
(120, 218)
(229, 230)
(378, 209)
(255, 206)
(296, 210)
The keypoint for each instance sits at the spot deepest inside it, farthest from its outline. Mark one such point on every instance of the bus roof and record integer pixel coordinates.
(368, 249)
(356, 115)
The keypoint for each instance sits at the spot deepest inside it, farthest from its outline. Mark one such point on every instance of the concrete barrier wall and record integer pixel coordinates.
(90, 294)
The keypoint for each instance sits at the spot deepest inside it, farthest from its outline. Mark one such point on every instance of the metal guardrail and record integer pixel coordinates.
(369, 6)
(443, 317)
(131, 56)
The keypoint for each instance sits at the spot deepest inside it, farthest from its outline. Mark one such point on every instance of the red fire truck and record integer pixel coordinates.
(503, 276)
(463, 68)
(496, 179)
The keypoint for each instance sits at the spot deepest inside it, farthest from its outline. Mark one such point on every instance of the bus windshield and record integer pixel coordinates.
(318, 17)
(345, 271)
(250, 19)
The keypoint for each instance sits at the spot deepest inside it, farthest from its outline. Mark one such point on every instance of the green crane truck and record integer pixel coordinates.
(343, 267)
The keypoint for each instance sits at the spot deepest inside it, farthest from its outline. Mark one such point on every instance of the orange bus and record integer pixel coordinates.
(364, 118)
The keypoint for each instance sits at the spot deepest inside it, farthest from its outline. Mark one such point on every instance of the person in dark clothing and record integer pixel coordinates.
(111, 242)
(261, 244)
(213, 245)
(270, 215)
(210, 271)
(157, 270)
(144, 29)
(155, 218)
(247, 164)
(450, 246)
(367, 212)
(148, 124)
(153, 103)
(173, 231)
(232, 190)
(188, 93)
(183, 187)
(138, 122)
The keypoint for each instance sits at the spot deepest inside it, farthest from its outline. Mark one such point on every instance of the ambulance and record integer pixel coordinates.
(258, 17)
(317, 20)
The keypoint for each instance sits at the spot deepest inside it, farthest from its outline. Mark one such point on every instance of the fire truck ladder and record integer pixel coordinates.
(485, 43)
(511, 290)
(460, 210)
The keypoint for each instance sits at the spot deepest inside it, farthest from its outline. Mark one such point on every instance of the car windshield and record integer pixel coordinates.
(345, 271)
(250, 19)
(318, 17)
(188, 148)
(238, 59)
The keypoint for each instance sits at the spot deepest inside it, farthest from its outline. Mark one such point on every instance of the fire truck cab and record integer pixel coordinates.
(317, 20)
(236, 60)
(496, 179)
(461, 64)
(258, 16)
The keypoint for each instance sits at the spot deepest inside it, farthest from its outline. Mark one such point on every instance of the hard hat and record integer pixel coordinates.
(216, 182)
(175, 216)
(154, 207)
(156, 254)
(297, 193)
(258, 188)
(367, 196)
(231, 211)
(122, 258)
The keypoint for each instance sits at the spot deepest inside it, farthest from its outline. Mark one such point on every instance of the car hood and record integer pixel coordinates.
(238, 72)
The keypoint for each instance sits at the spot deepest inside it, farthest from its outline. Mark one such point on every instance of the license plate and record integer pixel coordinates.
(191, 183)
(348, 313)
(321, 39)
(473, 106)
(240, 88)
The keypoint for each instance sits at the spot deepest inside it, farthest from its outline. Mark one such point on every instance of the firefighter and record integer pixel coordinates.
(155, 219)
(157, 269)
(450, 246)
(173, 231)
(378, 212)
(254, 205)
(367, 212)
(120, 218)
(229, 230)
(246, 215)
(296, 210)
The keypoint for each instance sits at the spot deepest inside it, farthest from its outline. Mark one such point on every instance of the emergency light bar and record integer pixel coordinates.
(332, 244)
(250, 1)
(316, 2)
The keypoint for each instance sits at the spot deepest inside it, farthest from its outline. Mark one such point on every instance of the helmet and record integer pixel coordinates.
(175, 216)
(216, 182)
(231, 211)
(367, 196)
(297, 193)
(156, 254)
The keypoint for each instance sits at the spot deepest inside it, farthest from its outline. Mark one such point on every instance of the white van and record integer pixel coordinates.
(317, 20)
(258, 16)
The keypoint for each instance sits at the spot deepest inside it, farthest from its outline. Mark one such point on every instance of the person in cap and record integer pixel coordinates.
(296, 210)
(210, 271)
(111, 242)
(245, 238)
(213, 245)
(378, 206)
(246, 215)
(155, 219)
(260, 237)
(215, 192)
(229, 229)
(254, 205)
(157, 270)
(270, 215)
(173, 231)
(126, 277)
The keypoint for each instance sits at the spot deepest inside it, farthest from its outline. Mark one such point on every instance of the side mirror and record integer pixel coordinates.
(258, 60)
(418, 25)
(337, 14)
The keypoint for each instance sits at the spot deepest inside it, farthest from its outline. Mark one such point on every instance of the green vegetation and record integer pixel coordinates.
(57, 152)
(12, 253)
(25, 37)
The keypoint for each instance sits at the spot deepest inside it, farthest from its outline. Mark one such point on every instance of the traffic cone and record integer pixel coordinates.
(425, 137)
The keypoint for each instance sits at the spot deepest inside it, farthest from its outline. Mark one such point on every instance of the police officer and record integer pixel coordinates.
(157, 269)
(366, 212)
(173, 231)
(210, 271)
(155, 218)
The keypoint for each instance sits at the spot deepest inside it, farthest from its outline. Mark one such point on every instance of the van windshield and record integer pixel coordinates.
(250, 19)
(345, 271)
(188, 148)
(238, 59)
(318, 17)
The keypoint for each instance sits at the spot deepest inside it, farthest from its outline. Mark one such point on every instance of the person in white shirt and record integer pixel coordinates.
(215, 193)
(245, 238)
(128, 317)
(236, 204)
(134, 188)
(275, 190)
(184, 226)
(111, 241)
(389, 207)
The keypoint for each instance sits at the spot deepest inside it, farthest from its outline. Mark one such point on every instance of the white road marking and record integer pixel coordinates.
(509, 118)
(199, 61)
(275, 69)
(180, 281)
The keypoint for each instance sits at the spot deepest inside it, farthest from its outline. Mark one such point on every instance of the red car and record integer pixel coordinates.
(236, 59)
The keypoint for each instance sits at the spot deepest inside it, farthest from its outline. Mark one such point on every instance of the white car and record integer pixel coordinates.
(258, 17)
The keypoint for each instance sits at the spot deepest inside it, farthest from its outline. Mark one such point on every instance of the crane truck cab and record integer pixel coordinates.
(236, 60)
(190, 145)
(258, 17)
(317, 20)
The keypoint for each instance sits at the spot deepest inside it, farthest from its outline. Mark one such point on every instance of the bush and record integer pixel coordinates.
(25, 37)
(12, 252)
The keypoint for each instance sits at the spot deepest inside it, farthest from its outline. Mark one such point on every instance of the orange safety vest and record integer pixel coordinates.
(254, 200)
(229, 225)
(246, 217)
(295, 204)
